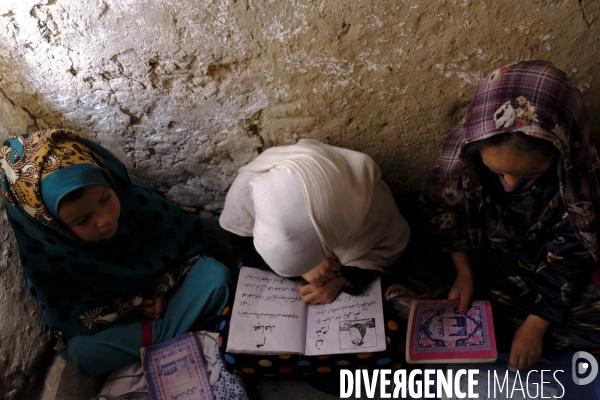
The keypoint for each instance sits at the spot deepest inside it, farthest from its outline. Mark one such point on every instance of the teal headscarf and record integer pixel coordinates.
(63, 181)
(85, 286)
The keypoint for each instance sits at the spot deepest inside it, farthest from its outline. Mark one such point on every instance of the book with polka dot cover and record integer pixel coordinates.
(438, 333)
(269, 317)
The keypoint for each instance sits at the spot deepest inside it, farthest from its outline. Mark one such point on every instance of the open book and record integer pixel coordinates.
(438, 333)
(269, 317)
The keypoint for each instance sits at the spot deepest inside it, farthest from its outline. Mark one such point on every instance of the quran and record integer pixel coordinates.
(174, 370)
(269, 317)
(438, 333)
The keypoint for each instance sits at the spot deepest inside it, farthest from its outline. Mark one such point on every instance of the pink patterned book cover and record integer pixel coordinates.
(175, 370)
(438, 333)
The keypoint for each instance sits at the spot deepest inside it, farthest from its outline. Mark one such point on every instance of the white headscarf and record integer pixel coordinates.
(308, 201)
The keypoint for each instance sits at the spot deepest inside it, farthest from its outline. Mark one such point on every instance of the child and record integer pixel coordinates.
(321, 213)
(101, 249)
(515, 196)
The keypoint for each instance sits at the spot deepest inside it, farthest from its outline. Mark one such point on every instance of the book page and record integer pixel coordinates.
(268, 315)
(350, 324)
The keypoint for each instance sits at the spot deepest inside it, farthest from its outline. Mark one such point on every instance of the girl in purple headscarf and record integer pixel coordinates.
(515, 198)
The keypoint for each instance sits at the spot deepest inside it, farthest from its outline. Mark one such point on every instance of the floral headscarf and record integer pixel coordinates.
(537, 99)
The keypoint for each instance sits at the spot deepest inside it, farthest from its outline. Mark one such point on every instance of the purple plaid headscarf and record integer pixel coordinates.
(537, 99)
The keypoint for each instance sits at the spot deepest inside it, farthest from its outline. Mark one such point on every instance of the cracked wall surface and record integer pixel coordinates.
(23, 337)
(187, 91)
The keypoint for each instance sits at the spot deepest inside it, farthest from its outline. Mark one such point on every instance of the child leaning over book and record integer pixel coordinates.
(323, 214)
(516, 198)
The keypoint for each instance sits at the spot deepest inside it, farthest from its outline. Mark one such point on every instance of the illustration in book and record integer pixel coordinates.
(358, 334)
(437, 331)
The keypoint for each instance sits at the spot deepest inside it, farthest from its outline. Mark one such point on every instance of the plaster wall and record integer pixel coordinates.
(187, 91)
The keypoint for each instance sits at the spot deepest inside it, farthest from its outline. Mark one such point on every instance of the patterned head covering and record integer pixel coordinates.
(27, 161)
(84, 286)
(537, 99)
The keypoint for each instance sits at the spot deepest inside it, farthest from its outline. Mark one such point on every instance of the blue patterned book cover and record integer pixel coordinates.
(175, 370)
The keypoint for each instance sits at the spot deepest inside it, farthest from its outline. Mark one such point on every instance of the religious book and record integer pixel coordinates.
(269, 317)
(438, 333)
(174, 370)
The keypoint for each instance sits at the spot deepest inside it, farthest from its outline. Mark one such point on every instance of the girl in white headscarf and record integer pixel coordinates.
(320, 212)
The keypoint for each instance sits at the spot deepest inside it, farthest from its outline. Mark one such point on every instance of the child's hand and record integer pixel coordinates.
(528, 342)
(324, 272)
(463, 285)
(462, 289)
(153, 308)
(322, 294)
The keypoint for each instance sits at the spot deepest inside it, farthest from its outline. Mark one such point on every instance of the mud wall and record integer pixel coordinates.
(187, 91)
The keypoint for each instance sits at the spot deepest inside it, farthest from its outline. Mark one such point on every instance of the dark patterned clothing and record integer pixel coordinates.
(543, 266)
(187, 306)
(429, 273)
(537, 99)
(575, 324)
(85, 286)
(532, 249)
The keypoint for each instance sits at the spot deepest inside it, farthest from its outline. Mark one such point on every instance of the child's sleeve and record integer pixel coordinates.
(563, 274)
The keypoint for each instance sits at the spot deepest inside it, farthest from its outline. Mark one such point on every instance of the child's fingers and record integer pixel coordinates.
(301, 288)
(309, 298)
(329, 274)
(453, 294)
(334, 265)
(306, 288)
(159, 306)
(514, 358)
(464, 304)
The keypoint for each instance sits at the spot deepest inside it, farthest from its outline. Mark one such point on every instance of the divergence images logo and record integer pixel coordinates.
(579, 367)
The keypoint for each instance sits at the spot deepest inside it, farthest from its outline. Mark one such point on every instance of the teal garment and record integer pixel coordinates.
(84, 287)
(202, 295)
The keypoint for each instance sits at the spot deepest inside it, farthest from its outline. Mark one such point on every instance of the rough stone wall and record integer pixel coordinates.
(187, 91)
(23, 337)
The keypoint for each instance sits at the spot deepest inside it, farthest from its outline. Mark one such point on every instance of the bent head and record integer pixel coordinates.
(91, 212)
(514, 156)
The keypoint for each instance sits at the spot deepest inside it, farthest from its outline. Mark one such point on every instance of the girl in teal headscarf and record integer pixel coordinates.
(114, 264)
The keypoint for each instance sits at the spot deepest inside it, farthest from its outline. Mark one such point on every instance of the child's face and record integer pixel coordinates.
(514, 165)
(95, 216)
